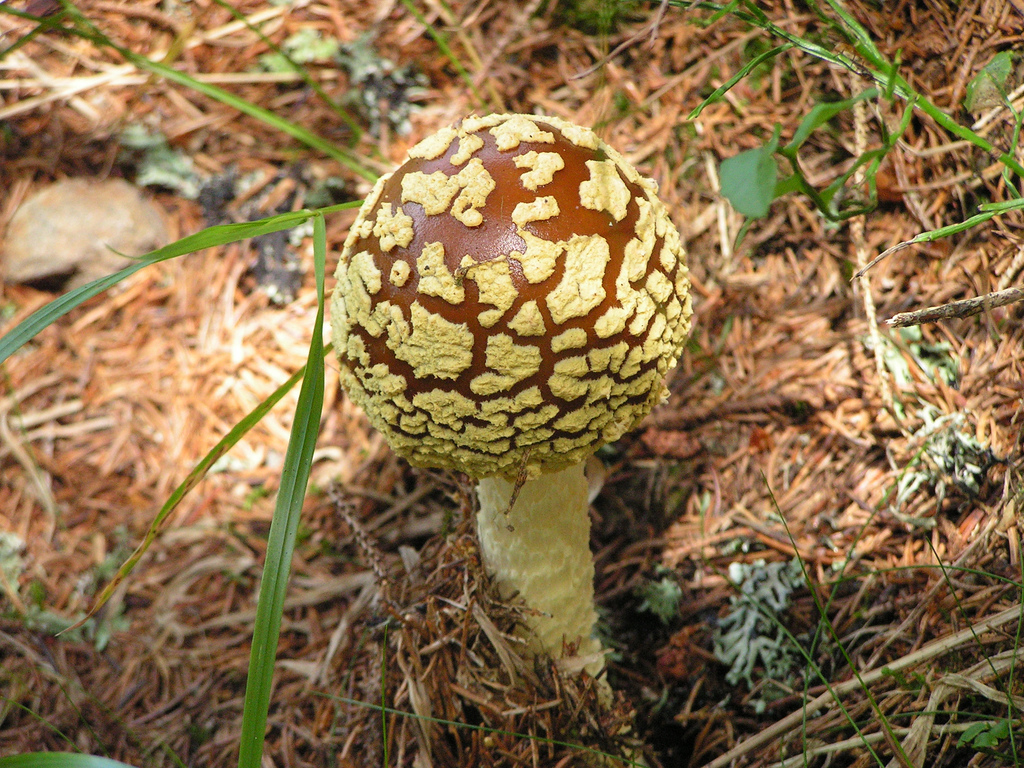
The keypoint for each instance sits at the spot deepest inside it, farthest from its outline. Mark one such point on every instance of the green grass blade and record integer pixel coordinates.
(42, 25)
(819, 115)
(88, 31)
(308, 138)
(212, 236)
(209, 237)
(284, 527)
(59, 760)
(442, 43)
(199, 471)
(988, 211)
(744, 71)
(300, 70)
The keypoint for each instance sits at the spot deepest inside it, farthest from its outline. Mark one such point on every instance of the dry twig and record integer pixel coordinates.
(958, 309)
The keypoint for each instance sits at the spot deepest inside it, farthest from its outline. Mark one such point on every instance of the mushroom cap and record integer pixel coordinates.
(510, 298)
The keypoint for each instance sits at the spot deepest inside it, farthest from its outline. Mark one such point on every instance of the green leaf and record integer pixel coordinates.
(59, 760)
(748, 179)
(284, 527)
(442, 44)
(988, 88)
(821, 114)
(985, 735)
(744, 71)
(973, 732)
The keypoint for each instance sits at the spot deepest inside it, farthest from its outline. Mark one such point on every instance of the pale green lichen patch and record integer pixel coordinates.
(476, 184)
(356, 350)
(528, 398)
(507, 363)
(469, 145)
(570, 339)
(567, 382)
(540, 259)
(400, 272)
(611, 323)
(379, 379)
(493, 282)
(503, 355)
(536, 419)
(599, 358)
(450, 406)
(639, 249)
(541, 209)
(598, 390)
(645, 309)
(584, 137)
(659, 288)
(362, 271)
(377, 321)
(413, 423)
(436, 191)
(582, 419)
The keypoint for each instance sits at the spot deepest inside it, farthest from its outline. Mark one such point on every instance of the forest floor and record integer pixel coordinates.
(867, 478)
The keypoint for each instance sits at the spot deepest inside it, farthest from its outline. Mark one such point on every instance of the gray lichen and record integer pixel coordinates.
(11, 561)
(751, 635)
(380, 89)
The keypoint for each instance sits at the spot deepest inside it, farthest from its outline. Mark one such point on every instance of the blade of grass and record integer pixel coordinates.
(43, 24)
(88, 31)
(212, 236)
(284, 527)
(744, 71)
(59, 760)
(988, 211)
(877, 68)
(300, 70)
(199, 471)
(442, 44)
(820, 114)
(383, 694)
(308, 138)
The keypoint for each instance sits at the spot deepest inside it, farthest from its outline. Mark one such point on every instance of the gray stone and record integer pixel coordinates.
(78, 228)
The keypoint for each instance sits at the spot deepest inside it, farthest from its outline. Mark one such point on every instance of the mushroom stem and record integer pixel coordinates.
(540, 549)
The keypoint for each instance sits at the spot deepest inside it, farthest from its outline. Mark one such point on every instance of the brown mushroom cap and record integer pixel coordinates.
(514, 291)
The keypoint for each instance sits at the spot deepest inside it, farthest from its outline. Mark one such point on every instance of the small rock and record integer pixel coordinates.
(77, 228)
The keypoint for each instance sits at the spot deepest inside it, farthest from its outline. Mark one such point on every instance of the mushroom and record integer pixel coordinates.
(509, 300)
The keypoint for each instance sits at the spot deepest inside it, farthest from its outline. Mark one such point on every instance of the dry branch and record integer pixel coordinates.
(958, 309)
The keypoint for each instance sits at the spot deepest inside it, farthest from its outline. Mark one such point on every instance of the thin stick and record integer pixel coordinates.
(521, 479)
(958, 309)
(928, 652)
(857, 235)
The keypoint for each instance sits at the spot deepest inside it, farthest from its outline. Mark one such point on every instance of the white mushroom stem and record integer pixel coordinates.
(545, 558)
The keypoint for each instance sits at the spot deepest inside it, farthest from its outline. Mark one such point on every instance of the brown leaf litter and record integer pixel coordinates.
(785, 434)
